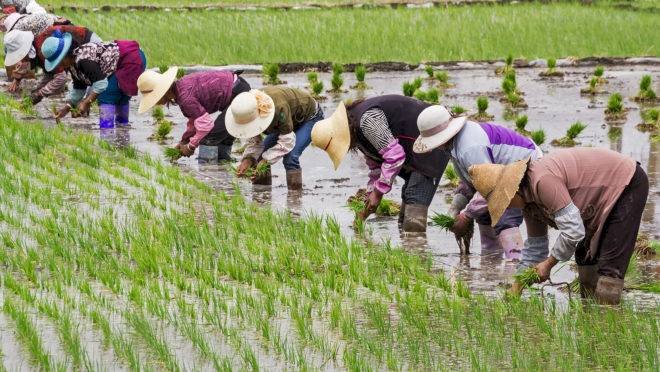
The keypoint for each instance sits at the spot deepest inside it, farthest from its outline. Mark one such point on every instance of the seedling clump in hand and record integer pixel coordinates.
(172, 153)
(527, 277)
(444, 221)
(571, 134)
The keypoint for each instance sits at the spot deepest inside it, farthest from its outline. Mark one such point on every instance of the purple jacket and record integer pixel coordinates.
(203, 93)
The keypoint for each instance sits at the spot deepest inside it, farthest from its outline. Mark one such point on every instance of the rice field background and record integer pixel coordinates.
(410, 35)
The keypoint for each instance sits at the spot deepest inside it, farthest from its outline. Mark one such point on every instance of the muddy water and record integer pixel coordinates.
(554, 104)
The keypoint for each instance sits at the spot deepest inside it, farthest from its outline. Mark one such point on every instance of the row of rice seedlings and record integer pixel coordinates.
(315, 85)
(440, 77)
(409, 88)
(595, 82)
(512, 96)
(337, 81)
(552, 69)
(432, 95)
(571, 134)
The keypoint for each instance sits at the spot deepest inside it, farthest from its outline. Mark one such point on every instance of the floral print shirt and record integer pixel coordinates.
(94, 62)
(35, 23)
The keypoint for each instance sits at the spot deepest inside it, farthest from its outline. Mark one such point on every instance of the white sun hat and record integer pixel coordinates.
(17, 46)
(249, 114)
(436, 127)
(11, 20)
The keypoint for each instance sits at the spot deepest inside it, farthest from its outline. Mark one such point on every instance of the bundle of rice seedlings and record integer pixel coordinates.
(360, 74)
(172, 153)
(571, 134)
(521, 124)
(552, 69)
(271, 74)
(482, 106)
(538, 136)
(388, 208)
(444, 221)
(646, 92)
(527, 277)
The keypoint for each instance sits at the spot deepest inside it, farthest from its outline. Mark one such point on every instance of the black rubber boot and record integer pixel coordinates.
(608, 290)
(588, 278)
(294, 179)
(402, 213)
(415, 217)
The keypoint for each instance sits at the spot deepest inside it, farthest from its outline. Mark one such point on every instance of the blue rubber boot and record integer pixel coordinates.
(122, 114)
(106, 116)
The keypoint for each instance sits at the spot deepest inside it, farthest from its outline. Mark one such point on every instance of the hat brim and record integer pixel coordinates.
(423, 145)
(165, 82)
(251, 129)
(506, 188)
(340, 135)
(16, 56)
(51, 65)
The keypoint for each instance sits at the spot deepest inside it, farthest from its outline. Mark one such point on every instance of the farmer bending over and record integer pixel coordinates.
(384, 129)
(594, 197)
(469, 144)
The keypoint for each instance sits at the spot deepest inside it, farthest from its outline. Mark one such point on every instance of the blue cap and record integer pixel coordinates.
(55, 48)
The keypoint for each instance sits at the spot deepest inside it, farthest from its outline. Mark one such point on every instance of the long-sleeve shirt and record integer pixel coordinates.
(199, 95)
(374, 127)
(293, 107)
(577, 184)
(34, 23)
(25, 6)
(482, 143)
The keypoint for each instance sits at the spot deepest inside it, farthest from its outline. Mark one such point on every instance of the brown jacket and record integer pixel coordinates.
(592, 179)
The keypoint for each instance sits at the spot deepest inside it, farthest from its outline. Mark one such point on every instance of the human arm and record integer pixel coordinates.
(375, 128)
(48, 85)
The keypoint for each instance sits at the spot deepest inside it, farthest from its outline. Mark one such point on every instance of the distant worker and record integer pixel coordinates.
(198, 95)
(594, 197)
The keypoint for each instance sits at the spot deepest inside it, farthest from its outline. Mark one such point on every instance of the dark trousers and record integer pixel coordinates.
(619, 234)
(418, 188)
(219, 135)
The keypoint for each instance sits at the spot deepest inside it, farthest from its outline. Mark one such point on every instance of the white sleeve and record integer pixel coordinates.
(285, 143)
(253, 149)
(571, 232)
(34, 8)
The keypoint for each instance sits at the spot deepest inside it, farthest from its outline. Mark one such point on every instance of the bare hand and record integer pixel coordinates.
(261, 164)
(14, 86)
(83, 108)
(545, 267)
(461, 225)
(373, 201)
(186, 150)
(244, 166)
(62, 112)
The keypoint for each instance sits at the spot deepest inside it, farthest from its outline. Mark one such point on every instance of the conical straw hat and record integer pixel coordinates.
(332, 135)
(498, 184)
(153, 86)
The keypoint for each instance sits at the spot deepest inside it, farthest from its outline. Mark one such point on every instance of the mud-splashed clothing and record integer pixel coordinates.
(293, 109)
(54, 82)
(485, 143)
(23, 6)
(580, 187)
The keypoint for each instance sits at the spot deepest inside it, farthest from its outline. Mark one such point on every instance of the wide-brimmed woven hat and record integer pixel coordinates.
(436, 126)
(153, 86)
(17, 46)
(249, 114)
(55, 48)
(332, 135)
(10, 20)
(498, 184)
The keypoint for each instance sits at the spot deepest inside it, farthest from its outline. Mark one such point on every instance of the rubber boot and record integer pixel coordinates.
(402, 213)
(489, 241)
(608, 290)
(588, 278)
(106, 116)
(224, 152)
(294, 179)
(266, 179)
(121, 114)
(415, 217)
(511, 243)
(207, 154)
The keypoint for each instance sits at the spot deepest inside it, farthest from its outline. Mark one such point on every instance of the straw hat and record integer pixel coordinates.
(153, 86)
(249, 114)
(436, 126)
(55, 48)
(17, 46)
(11, 20)
(498, 184)
(332, 135)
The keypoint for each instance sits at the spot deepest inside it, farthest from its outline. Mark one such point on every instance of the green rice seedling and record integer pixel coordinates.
(172, 153)
(163, 68)
(527, 277)
(442, 77)
(337, 81)
(521, 124)
(271, 74)
(599, 71)
(180, 72)
(615, 109)
(162, 131)
(388, 208)
(429, 72)
(482, 106)
(451, 175)
(27, 107)
(514, 99)
(508, 86)
(444, 221)
(508, 65)
(312, 77)
(431, 96)
(650, 120)
(158, 113)
(458, 110)
(317, 89)
(646, 92)
(571, 134)
(592, 88)
(538, 136)
(259, 170)
(360, 74)
(417, 83)
(408, 89)
(552, 69)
